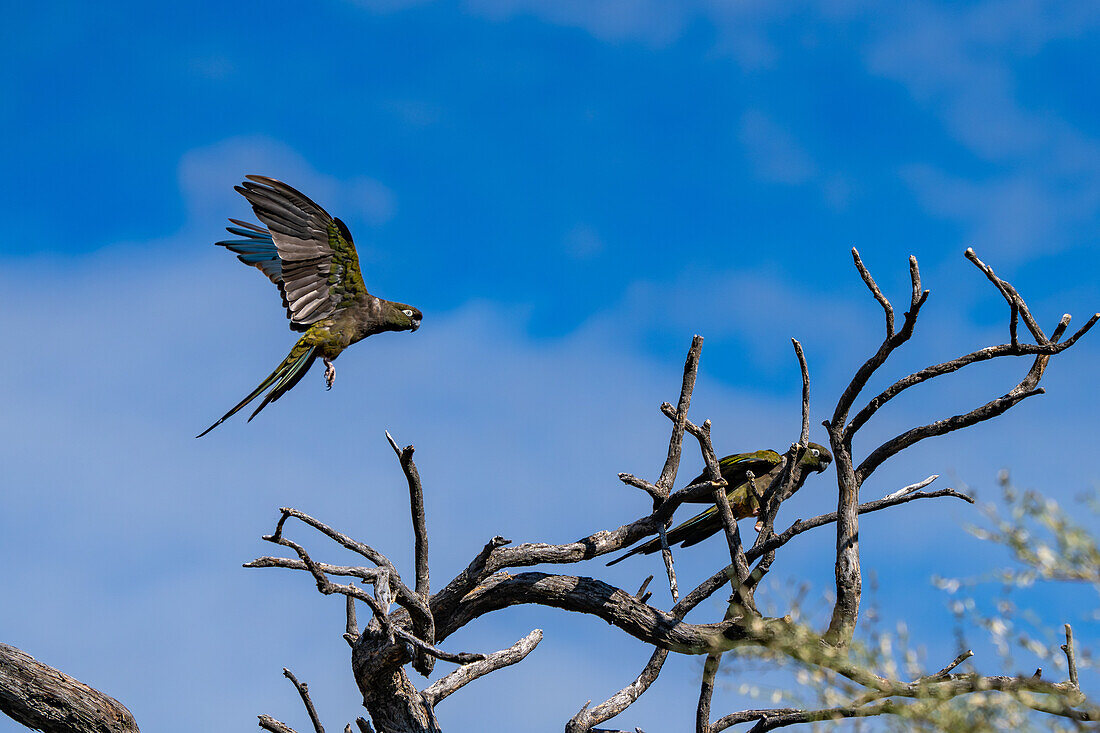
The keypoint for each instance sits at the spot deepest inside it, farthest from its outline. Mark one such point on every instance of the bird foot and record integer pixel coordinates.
(330, 374)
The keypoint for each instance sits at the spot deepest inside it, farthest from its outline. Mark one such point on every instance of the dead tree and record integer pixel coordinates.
(408, 625)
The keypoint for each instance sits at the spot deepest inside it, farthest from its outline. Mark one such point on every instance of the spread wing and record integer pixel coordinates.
(306, 253)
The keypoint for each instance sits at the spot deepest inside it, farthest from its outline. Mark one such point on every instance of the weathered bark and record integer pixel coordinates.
(43, 698)
(389, 696)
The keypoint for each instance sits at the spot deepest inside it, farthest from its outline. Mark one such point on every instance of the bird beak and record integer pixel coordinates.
(416, 325)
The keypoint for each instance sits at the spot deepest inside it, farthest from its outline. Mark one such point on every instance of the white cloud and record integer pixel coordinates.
(207, 176)
(960, 63)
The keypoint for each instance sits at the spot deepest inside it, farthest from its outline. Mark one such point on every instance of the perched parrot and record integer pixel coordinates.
(765, 466)
(311, 258)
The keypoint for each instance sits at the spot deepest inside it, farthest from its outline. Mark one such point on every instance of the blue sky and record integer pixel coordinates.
(568, 190)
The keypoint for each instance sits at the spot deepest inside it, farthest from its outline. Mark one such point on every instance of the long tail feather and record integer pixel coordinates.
(285, 376)
(689, 533)
(293, 375)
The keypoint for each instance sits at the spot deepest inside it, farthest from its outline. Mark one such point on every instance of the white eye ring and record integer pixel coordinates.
(408, 313)
(816, 453)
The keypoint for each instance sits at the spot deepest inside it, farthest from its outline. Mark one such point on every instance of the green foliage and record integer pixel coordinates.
(1046, 544)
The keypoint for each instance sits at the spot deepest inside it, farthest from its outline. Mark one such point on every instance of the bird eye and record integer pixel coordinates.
(408, 313)
(816, 453)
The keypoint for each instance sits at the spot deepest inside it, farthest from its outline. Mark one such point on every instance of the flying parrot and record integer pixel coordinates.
(765, 465)
(311, 258)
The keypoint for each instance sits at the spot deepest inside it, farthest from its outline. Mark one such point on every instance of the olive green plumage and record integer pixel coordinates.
(765, 465)
(311, 258)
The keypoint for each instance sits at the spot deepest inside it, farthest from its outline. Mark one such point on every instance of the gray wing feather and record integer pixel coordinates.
(300, 230)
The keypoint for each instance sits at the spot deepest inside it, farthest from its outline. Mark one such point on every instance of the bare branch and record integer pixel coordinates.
(804, 436)
(425, 628)
(619, 608)
(303, 691)
(912, 487)
(43, 698)
(721, 501)
(666, 555)
(1012, 297)
(271, 724)
(377, 605)
(715, 582)
(942, 674)
(469, 672)
(706, 692)
(368, 575)
(1071, 659)
(351, 624)
(632, 480)
(847, 571)
(870, 282)
(910, 437)
(416, 504)
(404, 595)
(672, 462)
(947, 367)
(583, 721)
(892, 342)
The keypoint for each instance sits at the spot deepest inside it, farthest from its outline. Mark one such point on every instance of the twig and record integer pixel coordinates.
(672, 462)
(666, 555)
(303, 691)
(404, 595)
(912, 487)
(804, 436)
(651, 489)
(467, 673)
(1071, 659)
(942, 674)
(1018, 305)
(870, 282)
(889, 344)
(377, 605)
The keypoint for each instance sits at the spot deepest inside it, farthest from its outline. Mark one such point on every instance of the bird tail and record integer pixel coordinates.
(682, 533)
(285, 376)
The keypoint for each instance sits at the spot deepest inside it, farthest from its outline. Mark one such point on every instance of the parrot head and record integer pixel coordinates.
(401, 317)
(816, 457)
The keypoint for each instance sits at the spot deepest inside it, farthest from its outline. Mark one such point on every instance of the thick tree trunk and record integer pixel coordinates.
(394, 703)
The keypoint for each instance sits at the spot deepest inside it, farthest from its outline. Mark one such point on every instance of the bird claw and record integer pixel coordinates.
(330, 374)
